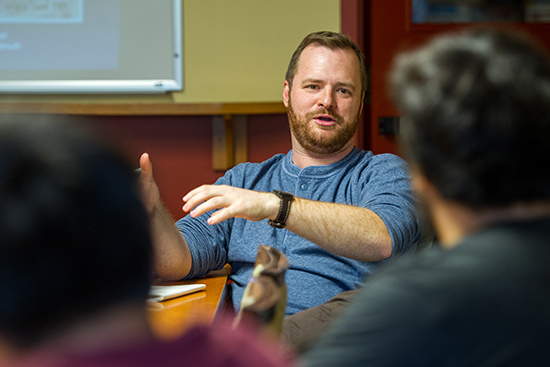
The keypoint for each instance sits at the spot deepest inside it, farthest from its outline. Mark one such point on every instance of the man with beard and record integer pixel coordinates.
(336, 212)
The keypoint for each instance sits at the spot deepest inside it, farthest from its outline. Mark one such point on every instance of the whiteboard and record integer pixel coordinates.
(90, 46)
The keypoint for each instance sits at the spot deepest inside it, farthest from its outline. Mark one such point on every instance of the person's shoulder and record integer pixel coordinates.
(379, 165)
(431, 271)
(388, 158)
(369, 157)
(437, 271)
(418, 263)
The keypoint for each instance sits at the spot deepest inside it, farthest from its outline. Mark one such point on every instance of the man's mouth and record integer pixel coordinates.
(324, 120)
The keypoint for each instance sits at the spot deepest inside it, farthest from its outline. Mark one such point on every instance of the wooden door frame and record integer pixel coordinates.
(353, 16)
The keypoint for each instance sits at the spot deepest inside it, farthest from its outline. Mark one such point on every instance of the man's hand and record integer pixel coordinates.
(172, 258)
(150, 193)
(232, 202)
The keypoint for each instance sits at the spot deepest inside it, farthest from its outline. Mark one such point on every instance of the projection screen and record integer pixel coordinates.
(90, 46)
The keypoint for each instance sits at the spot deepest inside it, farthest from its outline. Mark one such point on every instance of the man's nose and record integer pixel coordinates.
(326, 99)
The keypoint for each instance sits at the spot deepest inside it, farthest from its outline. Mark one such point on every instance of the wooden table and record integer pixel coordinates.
(169, 319)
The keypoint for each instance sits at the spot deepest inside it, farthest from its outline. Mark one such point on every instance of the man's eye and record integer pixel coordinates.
(312, 87)
(344, 91)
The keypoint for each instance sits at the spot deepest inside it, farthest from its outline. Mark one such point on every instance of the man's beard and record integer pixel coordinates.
(312, 140)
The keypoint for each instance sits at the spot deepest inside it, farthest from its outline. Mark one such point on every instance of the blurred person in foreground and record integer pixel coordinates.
(475, 117)
(76, 256)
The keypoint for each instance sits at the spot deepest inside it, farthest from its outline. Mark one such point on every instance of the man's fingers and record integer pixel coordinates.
(146, 166)
(208, 204)
(220, 215)
(201, 194)
(204, 190)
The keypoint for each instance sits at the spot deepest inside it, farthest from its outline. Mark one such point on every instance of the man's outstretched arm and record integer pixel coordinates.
(172, 258)
(345, 230)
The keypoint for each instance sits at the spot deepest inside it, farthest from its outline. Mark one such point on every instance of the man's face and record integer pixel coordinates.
(325, 100)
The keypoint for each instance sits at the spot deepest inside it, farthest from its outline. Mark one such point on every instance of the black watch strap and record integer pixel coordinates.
(284, 209)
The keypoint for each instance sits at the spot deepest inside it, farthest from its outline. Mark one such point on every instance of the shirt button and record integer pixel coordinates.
(304, 187)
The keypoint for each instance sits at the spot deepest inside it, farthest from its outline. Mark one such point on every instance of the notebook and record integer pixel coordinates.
(160, 293)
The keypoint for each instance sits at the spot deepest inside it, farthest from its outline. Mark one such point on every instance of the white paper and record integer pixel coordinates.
(165, 292)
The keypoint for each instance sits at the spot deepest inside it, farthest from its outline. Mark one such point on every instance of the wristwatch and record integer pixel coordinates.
(284, 209)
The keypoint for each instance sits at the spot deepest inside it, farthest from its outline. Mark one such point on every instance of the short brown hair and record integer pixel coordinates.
(332, 40)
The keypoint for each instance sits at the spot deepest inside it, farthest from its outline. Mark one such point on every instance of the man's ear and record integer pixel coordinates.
(419, 182)
(423, 188)
(286, 93)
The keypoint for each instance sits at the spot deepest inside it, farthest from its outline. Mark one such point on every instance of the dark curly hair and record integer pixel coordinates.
(476, 116)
